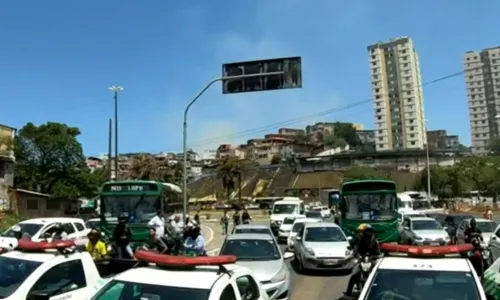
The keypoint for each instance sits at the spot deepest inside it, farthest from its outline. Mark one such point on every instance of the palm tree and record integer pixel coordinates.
(228, 172)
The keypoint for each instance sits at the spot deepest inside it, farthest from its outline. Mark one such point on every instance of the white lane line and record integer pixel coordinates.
(210, 236)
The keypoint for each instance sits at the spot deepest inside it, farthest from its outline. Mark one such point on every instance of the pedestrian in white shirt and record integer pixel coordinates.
(158, 223)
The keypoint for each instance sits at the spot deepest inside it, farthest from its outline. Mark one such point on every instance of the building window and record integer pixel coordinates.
(32, 204)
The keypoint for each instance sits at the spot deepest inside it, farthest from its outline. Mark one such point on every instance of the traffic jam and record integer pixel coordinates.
(391, 248)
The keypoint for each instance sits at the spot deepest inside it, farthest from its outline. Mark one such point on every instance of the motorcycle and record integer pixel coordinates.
(366, 266)
(479, 257)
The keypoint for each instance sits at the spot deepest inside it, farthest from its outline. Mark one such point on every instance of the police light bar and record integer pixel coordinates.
(183, 261)
(426, 251)
(28, 245)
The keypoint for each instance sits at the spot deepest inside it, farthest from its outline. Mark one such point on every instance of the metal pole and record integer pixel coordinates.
(184, 127)
(110, 145)
(116, 135)
(428, 171)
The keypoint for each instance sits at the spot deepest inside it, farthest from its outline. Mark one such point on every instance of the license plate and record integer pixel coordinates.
(434, 244)
(330, 262)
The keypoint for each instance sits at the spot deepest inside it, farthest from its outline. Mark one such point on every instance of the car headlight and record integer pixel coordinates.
(310, 251)
(348, 252)
(281, 275)
(446, 238)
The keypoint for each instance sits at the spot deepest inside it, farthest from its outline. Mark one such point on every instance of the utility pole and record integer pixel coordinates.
(115, 90)
(110, 145)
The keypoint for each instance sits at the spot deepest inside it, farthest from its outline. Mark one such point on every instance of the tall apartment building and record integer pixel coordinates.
(397, 95)
(482, 77)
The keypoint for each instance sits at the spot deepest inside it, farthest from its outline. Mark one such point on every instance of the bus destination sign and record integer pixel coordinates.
(130, 187)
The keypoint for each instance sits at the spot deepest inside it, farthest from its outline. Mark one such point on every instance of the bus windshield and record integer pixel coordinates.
(370, 206)
(139, 208)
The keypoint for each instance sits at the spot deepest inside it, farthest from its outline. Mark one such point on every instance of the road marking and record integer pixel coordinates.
(210, 236)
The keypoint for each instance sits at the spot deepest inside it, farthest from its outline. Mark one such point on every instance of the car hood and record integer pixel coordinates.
(328, 249)
(263, 270)
(286, 227)
(431, 234)
(487, 237)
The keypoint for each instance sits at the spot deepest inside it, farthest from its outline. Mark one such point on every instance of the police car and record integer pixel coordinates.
(175, 277)
(422, 272)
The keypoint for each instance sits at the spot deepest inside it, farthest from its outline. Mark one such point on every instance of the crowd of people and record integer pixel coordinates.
(237, 218)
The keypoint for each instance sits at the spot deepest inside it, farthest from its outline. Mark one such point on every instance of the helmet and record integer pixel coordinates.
(362, 227)
(473, 222)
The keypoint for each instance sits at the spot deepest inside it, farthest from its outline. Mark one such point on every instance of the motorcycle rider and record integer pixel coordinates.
(121, 237)
(155, 242)
(59, 233)
(195, 242)
(472, 231)
(364, 243)
(245, 217)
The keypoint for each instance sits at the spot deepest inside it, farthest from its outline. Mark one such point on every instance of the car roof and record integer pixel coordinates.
(42, 221)
(199, 278)
(252, 226)
(306, 220)
(321, 224)
(288, 202)
(422, 219)
(481, 220)
(427, 264)
(249, 236)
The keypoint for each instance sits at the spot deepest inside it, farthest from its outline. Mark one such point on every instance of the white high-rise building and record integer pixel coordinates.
(482, 77)
(397, 95)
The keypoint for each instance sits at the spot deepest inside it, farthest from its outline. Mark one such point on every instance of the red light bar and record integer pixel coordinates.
(427, 250)
(184, 261)
(41, 246)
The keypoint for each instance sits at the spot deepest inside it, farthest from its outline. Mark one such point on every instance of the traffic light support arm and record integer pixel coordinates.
(184, 128)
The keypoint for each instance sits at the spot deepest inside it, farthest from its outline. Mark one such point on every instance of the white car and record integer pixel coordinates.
(286, 227)
(228, 281)
(326, 212)
(289, 208)
(261, 254)
(419, 277)
(322, 246)
(38, 229)
(423, 231)
(298, 224)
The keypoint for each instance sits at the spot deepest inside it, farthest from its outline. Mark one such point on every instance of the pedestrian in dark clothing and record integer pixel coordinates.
(224, 222)
(245, 217)
(236, 219)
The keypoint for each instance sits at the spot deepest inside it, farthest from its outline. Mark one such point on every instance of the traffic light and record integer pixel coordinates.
(291, 77)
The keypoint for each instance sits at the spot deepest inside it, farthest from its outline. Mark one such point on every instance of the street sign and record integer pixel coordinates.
(291, 77)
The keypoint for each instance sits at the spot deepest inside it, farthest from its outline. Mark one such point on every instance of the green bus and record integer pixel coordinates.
(140, 200)
(371, 202)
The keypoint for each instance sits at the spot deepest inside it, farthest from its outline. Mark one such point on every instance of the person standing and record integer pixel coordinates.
(236, 219)
(245, 217)
(224, 222)
(488, 213)
(158, 223)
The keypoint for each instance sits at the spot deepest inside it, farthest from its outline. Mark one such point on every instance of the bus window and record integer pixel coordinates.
(370, 207)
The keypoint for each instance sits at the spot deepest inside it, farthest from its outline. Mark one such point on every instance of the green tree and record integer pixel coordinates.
(445, 182)
(301, 137)
(494, 146)
(277, 159)
(144, 167)
(50, 159)
(172, 174)
(229, 173)
(346, 132)
(483, 173)
(359, 173)
(333, 141)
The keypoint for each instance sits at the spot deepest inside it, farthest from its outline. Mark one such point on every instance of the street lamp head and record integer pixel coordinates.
(116, 88)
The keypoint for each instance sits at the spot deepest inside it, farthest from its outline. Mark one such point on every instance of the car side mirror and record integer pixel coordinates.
(298, 238)
(406, 228)
(288, 255)
(445, 227)
(36, 295)
(493, 238)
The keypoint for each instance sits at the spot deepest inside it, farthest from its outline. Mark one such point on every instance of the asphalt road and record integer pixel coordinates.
(321, 286)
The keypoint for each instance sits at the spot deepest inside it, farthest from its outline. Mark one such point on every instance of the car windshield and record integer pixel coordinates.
(458, 219)
(429, 285)
(415, 215)
(425, 225)
(252, 230)
(370, 206)
(313, 214)
(324, 234)
(139, 208)
(288, 221)
(14, 273)
(116, 289)
(297, 227)
(251, 249)
(285, 209)
(28, 228)
(93, 224)
(486, 226)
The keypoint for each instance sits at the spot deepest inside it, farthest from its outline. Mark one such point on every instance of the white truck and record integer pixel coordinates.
(174, 277)
(50, 274)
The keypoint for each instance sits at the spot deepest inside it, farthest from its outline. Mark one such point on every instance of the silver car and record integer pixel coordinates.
(322, 246)
(486, 226)
(423, 231)
(261, 254)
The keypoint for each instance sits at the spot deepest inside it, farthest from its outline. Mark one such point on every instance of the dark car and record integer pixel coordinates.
(451, 222)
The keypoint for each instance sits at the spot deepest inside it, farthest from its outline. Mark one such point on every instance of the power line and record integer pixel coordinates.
(312, 116)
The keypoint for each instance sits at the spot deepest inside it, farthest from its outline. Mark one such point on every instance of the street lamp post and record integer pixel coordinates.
(115, 89)
(184, 128)
(428, 164)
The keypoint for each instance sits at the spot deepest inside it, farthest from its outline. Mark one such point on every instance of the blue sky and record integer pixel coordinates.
(58, 58)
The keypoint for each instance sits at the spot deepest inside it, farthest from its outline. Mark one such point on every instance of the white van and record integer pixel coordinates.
(289, 207)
